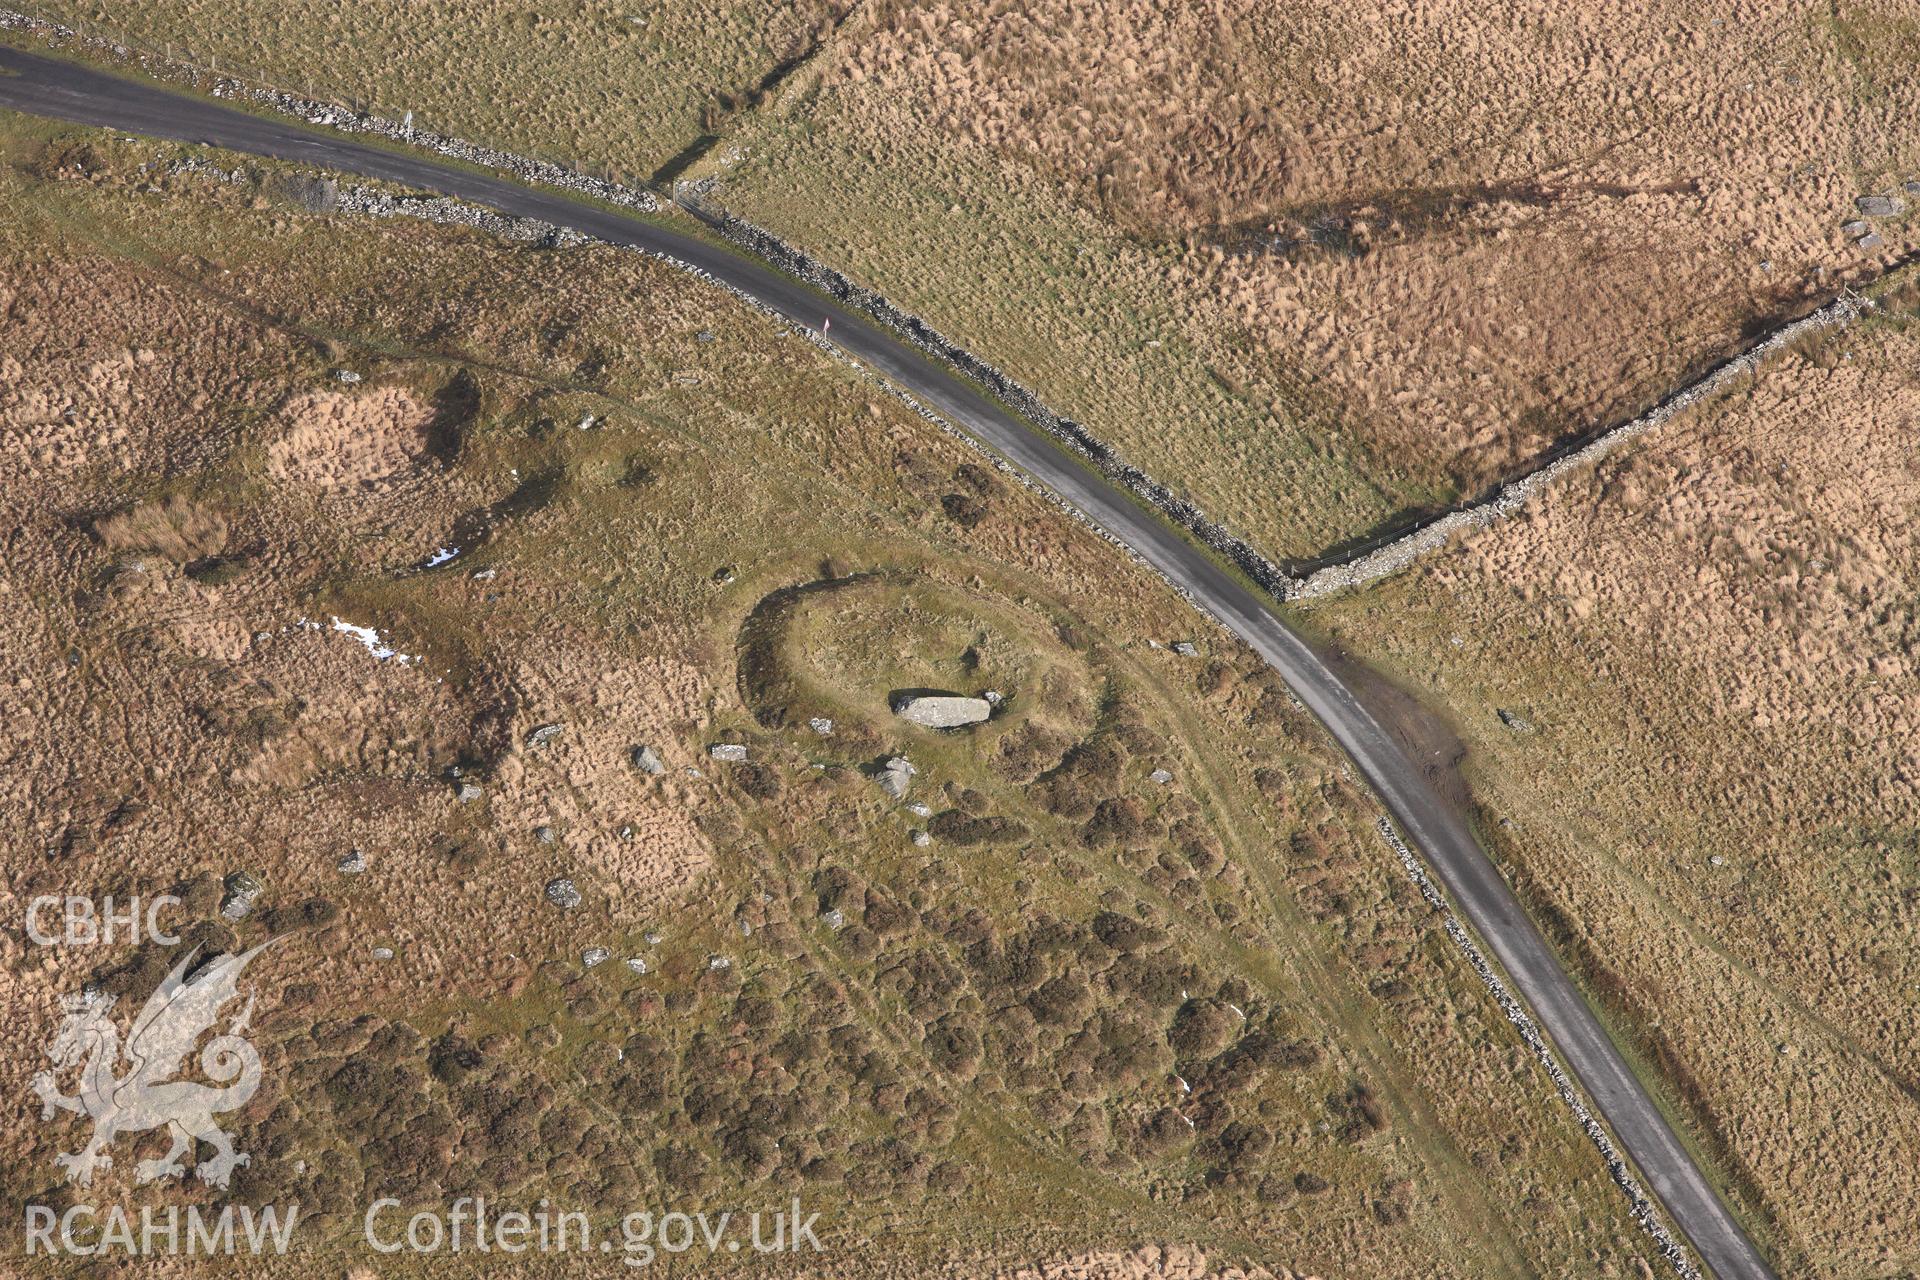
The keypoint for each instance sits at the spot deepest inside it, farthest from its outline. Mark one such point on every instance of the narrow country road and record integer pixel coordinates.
(50, 87)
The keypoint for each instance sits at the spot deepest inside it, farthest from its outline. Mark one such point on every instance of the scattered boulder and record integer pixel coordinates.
(466, 792)
(543, 734)
(1185, 649)
(821, 725)
(382, 953)
(729, 752)
(562, 893)
(1869, 241)
(896, 777)
(637, 963)
(1880, 206)
(353, 864)
(920, 838)
(648, 761)
(593, 957)
(1160, 776)
(1856, 228)
(1514, 720)
(242, 888)
(941, 711)
(543, 833)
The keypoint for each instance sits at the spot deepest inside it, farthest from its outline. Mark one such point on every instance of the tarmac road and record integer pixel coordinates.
(49, 87)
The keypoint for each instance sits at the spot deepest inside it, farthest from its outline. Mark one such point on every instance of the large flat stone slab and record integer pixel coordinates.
(942, 711)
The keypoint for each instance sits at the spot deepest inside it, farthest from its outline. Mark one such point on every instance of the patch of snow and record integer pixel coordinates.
(367, 636)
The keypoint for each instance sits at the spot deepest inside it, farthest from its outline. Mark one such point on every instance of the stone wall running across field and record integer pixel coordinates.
(1510, 497)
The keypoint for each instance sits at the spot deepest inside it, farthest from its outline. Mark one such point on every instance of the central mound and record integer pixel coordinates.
(849, 648)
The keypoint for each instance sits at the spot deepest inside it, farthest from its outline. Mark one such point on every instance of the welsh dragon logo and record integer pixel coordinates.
(146, 1096)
